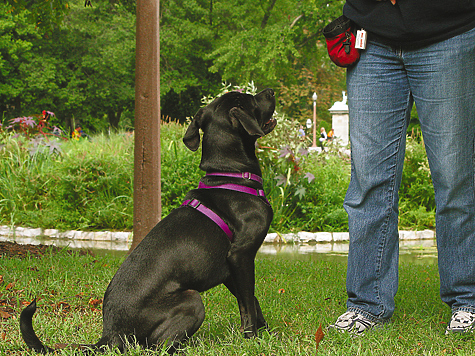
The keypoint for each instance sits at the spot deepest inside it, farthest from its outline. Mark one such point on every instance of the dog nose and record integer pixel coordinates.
(270, 92)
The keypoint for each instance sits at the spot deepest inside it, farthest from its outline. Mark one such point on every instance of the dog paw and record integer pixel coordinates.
(249, 334)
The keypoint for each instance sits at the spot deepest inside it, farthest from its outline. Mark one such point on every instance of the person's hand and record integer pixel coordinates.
(392, 1)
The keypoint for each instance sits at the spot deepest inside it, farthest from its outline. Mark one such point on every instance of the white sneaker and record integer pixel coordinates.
(353, 323)
(461, 322)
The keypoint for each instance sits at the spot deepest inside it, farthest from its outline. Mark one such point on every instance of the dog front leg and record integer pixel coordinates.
(241, 284)
(261, 322)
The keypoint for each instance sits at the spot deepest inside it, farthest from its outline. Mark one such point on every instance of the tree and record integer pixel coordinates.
(107, 57)
(83, 71)
(16, 41)
(48, 15)
(281, 46)
(186, 38)
(44, 14)
(275, 44)
(83, 66)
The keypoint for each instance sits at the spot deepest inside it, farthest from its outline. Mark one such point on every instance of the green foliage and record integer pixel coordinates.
(321, 208)
(44, 14)
(185, 39)
(416, 195)
(79, 61)
(89, 185)
(104, 62)
(16, 41)
(268, 44)
(258, 49)
(83, 70)
(306, 189)
(180, 167)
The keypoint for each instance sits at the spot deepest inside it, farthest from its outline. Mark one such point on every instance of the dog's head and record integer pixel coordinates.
(233, 115)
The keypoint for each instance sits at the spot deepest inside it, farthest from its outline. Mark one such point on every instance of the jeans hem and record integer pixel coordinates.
(369, 316)
(465, 309)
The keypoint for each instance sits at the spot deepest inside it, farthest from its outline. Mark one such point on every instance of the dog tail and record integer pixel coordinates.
(27, 332)
(32, 341)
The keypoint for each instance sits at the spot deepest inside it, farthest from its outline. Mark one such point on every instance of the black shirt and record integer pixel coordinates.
(412, 23)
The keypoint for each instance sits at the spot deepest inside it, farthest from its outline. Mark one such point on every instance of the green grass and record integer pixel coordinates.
(296, 296)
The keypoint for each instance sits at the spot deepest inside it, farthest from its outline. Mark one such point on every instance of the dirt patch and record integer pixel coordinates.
(13, 249)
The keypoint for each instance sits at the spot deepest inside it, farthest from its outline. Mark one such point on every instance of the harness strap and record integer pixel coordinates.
(196, 204)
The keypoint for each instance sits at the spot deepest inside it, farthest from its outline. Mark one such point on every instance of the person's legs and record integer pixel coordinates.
(380, 102)
(442, 79)
(381, 86)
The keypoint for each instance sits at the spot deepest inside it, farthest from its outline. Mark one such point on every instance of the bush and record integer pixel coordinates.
(306, 189)
(89, 184)
(180, 167)
(416, 195)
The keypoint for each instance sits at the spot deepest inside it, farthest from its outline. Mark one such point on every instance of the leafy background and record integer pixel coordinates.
(79, 61)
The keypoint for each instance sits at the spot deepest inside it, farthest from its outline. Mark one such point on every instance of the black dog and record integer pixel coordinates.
(154, 298)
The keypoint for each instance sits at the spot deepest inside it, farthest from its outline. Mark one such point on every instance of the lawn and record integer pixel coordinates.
(297, 296)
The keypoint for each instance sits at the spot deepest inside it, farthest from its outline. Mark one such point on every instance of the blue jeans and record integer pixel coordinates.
(382, 88)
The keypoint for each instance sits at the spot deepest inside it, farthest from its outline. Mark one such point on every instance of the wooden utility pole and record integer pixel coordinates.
(147, 202)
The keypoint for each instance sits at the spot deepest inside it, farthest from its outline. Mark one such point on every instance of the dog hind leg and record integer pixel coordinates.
(185, 316)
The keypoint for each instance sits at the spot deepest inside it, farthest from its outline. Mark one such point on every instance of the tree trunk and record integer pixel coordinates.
(114, 118)
(147, 204)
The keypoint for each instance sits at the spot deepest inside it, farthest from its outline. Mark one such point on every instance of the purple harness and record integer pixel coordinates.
(194, 203)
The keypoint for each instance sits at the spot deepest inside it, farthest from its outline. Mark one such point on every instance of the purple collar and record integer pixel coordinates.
(244, 175)
(194, 203)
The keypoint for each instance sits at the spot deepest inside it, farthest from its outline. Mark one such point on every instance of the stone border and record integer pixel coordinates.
(308, 237)
(126, 237)
(71, 234)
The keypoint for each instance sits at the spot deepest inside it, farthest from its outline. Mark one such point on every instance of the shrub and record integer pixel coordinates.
(89, 184)
(180, 167)
(305, 189)
(416, 195)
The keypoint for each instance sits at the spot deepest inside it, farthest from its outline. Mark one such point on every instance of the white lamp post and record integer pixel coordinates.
(314, 97)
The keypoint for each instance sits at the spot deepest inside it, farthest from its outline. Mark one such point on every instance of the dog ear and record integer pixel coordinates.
(192, 135)
(248, 122)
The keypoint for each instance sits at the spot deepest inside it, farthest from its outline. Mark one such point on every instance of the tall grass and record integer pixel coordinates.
(180, 167)
(89, 184)
(416, 196)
